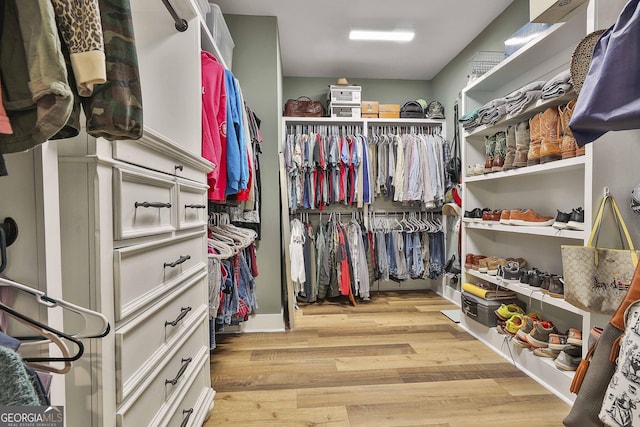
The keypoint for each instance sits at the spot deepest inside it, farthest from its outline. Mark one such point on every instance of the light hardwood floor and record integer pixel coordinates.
(395, 361)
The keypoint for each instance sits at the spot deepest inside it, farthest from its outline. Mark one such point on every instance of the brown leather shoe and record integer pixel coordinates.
(535, 133)
(492, 216)
(522, 144)
(530, 217)
(475, 265)
(550, 135)
(505, 217)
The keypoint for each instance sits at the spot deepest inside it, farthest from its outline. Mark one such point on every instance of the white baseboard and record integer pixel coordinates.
(260, 323)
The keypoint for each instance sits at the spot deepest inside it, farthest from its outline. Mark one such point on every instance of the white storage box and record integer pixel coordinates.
(220, 32)
(345, 111)
(345, 95)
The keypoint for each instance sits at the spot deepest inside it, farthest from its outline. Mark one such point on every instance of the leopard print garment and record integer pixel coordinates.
(79, 23)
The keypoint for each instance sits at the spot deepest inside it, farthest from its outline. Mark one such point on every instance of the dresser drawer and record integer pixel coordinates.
(192, 205)
(160, 156)
(143, 342)
(143, 273)
(143, 203)
(193, 409)
(152, 397)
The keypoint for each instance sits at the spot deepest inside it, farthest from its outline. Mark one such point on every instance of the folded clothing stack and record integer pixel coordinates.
(559, 85)
(520, 99)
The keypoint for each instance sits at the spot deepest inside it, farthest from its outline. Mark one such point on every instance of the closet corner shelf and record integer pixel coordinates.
(551, 42)
(567, 164)
(537, 231)
(527, 291)
(539, 106)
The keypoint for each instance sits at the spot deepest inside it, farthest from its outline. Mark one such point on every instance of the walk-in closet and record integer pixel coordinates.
(295, 212)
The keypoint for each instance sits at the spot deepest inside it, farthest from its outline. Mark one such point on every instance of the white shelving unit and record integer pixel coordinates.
(546, 188)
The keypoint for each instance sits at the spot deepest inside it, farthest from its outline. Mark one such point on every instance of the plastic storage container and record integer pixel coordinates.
(220, 32)
(482, 310)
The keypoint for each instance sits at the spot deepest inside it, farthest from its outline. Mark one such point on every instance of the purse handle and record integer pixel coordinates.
(621, 227)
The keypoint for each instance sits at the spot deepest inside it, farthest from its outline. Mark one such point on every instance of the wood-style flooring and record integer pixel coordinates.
(394, 361)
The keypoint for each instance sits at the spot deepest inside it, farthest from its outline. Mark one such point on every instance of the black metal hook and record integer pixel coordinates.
(10, 228)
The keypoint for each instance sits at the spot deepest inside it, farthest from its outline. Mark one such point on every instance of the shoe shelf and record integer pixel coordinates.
(572, 163)
(537, 231)
(526, 290)
(541, 369)
(541, 105)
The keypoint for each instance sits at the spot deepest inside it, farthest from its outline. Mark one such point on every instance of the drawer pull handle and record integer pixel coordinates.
(195, 206)
(179, 261)
(183, 312)
(186, 420)
(185, 364)
(178, 167)
(152, 205)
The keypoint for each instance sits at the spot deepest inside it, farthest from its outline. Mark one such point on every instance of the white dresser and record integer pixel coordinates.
(133, 224)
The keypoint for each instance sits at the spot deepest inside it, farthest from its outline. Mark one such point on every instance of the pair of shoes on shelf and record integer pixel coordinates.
(511, 271)
(531, 277)
(507, 311)
(472, 261)
(529, 217)
(553, 285)
(510, 326)
(475, 170)
(495, 152)
(569, 358)
(474, 215)
(490, 265)
(528, 322)
(570, 221)
(491, 216)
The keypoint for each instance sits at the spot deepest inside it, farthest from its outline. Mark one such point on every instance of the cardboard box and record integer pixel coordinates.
(389, 111)
(369, 115)
(370, 107)
(551, 11)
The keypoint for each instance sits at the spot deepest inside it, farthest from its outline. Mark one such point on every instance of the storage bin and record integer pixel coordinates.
(482, 310)
(345, 111)
(370, 107)
(484, 60)
(345, 94)
(220, 32)
(389, 111)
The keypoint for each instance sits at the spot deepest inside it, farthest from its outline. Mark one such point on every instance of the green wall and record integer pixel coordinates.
(383, 91)
(448, 84)
(256, 64)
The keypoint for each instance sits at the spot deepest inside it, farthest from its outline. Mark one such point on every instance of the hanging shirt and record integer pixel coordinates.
(237, 166)
(214, 125)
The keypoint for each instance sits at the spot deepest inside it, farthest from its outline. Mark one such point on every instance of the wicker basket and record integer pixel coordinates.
(484, 60)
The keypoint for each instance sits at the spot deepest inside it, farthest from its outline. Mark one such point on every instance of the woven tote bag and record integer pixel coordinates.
(596, 279)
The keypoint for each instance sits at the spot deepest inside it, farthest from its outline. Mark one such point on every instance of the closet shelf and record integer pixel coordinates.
(208, 43)
(364, 121)
(555, 40)
(551, 167)
(527, 291)
(537, 231)
(541, 105)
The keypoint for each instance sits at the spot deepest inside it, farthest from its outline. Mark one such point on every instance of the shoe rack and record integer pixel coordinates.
(557, 185)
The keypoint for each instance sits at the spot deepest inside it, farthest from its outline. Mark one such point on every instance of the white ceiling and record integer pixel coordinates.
(314, 34)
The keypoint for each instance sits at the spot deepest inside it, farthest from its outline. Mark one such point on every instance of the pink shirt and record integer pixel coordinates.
(214, 124)
(5, 124)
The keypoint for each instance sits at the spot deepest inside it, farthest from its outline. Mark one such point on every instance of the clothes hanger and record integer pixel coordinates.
(29, 321)
(49, 337)
(50, 302)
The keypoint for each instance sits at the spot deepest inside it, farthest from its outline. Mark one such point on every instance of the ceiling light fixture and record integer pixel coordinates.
(393, 36)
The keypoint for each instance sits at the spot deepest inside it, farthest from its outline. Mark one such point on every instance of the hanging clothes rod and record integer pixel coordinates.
(181, 24)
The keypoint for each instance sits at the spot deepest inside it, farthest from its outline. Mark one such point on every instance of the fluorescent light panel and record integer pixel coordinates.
(393, 36)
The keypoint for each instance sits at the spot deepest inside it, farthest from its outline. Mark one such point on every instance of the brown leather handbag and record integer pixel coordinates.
(303, 107)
